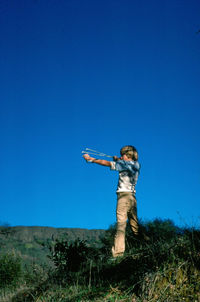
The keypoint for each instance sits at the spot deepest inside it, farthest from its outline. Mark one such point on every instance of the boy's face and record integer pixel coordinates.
(124, 157)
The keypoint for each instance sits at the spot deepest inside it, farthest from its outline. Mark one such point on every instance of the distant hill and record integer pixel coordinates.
(31, 243)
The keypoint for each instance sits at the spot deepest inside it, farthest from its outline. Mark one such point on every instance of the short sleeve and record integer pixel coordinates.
(118, 165)
(122, 165)
(112, 165)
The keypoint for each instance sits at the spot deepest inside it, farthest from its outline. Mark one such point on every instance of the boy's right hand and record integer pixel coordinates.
(87, 158)
(115, 158)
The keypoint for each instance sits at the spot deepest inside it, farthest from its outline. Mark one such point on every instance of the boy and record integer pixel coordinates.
(128, 167)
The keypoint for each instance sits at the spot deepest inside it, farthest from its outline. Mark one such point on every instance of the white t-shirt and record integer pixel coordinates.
(128, 174)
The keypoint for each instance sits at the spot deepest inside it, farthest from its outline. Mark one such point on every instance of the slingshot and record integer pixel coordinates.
(95, 152)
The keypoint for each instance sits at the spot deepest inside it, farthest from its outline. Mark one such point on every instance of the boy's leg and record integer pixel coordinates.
(122, 209)
(132, 215)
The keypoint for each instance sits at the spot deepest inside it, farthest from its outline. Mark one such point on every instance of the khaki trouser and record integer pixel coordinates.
(126, 209)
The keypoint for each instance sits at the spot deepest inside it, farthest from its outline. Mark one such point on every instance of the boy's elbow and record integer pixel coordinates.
(108, 164)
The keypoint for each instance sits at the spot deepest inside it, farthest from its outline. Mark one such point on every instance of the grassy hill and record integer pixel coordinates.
(162, 264)
(32, 242)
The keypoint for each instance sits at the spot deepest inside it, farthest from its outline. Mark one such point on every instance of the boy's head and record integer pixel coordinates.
(130, 152)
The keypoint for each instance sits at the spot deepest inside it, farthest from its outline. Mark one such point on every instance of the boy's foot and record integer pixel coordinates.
(116, 255)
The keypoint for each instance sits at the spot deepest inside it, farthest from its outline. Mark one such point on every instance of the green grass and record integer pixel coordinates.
(161, 265)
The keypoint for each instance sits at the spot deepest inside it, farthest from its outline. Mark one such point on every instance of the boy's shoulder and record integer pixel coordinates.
(125, 164)
(134, 163)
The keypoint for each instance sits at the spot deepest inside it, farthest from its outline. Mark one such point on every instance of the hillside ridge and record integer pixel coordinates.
(32, 242)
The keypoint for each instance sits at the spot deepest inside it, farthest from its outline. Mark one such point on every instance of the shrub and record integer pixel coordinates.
(161, 229)
(72, 256)
(10, 270)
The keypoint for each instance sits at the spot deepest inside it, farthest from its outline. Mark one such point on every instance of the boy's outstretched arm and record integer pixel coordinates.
(101, 162)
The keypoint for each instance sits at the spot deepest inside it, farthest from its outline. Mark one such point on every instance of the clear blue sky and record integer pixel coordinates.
(98, 74)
